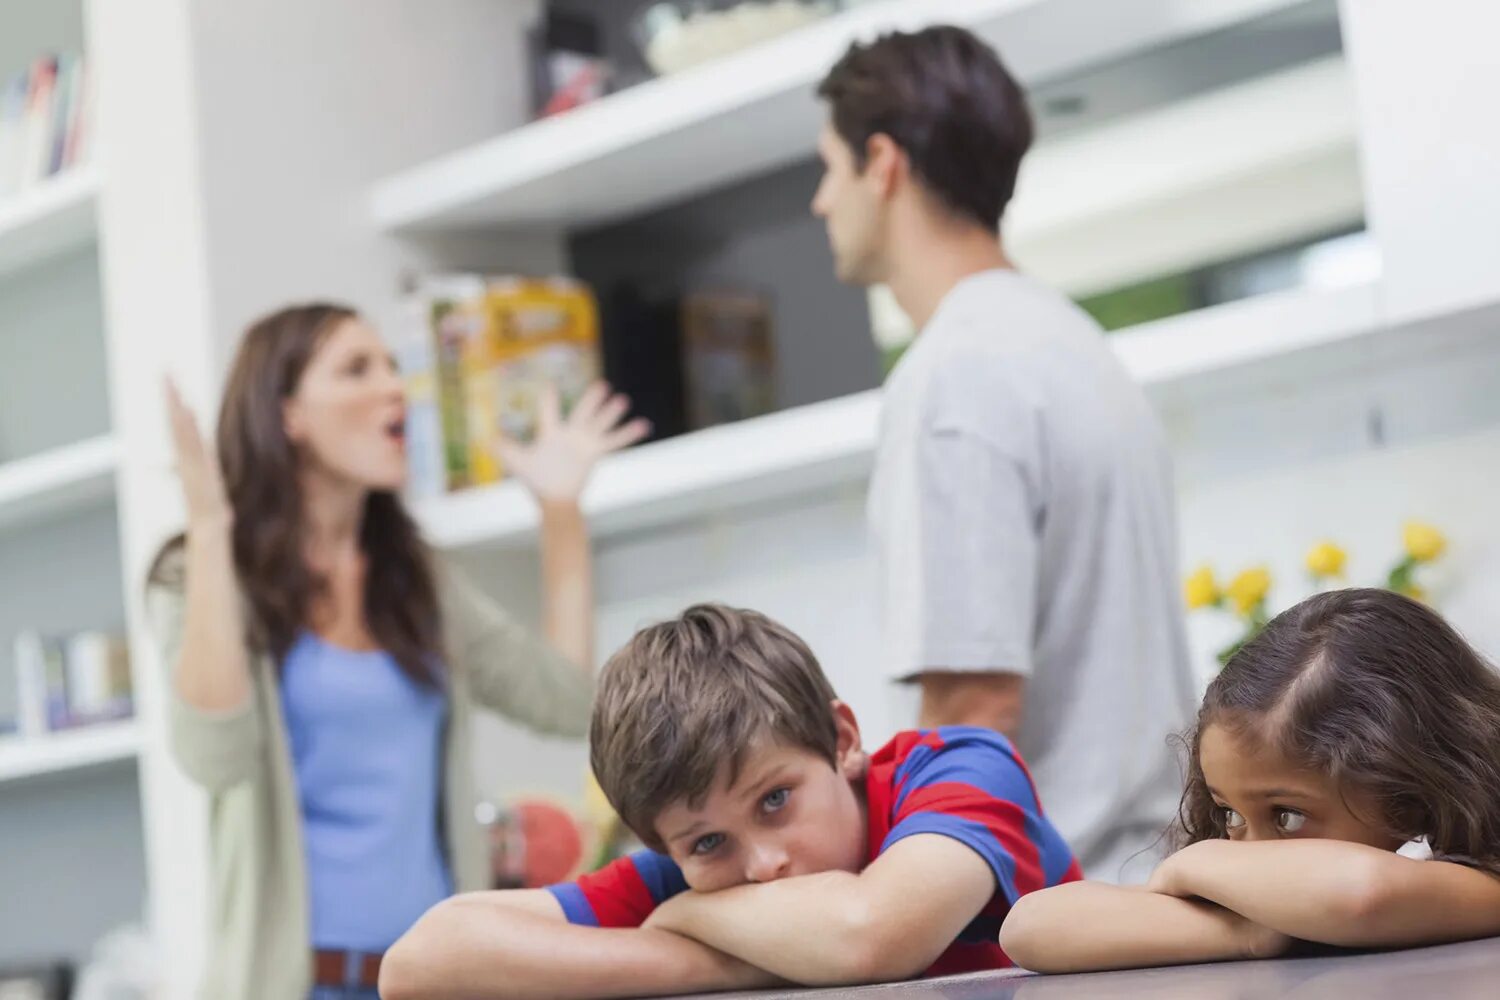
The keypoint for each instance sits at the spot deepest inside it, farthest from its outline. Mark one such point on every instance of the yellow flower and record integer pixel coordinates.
(1249, 589)
(1326, 559)
(1200, 590)
(1424, 543)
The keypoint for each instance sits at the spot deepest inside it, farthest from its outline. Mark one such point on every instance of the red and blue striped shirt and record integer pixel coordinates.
(961, 782)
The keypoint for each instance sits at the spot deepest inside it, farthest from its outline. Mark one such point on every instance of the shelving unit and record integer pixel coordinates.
(668, 139)
(70, 800)
(808, 447)
(58, 215)
(780, 454)
(23, 758)
(58, 482)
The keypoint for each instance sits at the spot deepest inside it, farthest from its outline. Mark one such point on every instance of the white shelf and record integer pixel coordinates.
(810, 447)
(671, 138)
(57, 215)
(776, 455)
(32, 757)
(57, 482)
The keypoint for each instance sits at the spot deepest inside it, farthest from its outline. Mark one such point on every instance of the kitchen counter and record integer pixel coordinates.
(1469, 971)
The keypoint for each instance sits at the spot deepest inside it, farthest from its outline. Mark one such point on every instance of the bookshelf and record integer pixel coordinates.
(57, 482)
(55, 216)
(25, 758)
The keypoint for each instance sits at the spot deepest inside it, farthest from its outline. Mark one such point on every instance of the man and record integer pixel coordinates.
(1021, 505)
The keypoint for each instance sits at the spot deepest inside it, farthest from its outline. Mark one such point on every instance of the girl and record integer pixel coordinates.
(1355, 736)
(324, 661)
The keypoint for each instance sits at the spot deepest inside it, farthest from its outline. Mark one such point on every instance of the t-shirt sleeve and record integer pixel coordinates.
(978, 536)
(967, 784)
(622, 893)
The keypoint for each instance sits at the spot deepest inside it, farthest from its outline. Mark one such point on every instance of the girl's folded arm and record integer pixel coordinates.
(1090, 926)
(1337, 892)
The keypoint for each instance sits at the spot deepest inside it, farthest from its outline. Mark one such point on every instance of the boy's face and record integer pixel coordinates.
(789, 813)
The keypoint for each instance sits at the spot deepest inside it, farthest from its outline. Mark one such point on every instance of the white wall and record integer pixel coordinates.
(1359, 501)
(296, 125)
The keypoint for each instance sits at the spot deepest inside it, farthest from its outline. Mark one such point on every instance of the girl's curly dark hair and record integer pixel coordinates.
(1379, 692)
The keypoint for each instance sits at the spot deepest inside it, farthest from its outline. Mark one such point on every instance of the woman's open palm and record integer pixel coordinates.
(202, 481)
(555, 465)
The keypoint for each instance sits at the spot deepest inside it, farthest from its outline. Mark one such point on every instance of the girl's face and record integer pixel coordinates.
(1265, 796)
(347, 415)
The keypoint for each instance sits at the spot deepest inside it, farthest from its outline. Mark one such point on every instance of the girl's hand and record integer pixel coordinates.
(1176, 875)
(556, 464)
(202, 480)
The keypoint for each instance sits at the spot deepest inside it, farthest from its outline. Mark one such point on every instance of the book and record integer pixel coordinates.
(70, 680)
(45, 121)
(36, 125)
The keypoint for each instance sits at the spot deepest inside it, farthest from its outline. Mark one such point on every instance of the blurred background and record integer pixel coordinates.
(1284, 211)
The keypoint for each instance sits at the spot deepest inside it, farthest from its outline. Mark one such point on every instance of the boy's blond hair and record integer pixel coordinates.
(690, 697)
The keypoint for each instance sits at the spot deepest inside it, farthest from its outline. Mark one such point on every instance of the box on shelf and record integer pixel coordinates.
(62, 682)
(496, 345)
(568, 67)
(729, 360)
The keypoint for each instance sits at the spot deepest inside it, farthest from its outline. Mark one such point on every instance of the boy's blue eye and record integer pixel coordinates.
(775, 800)
(708, 844)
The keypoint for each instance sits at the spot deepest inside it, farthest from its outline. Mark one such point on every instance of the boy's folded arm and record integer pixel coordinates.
(519, 945)
(889, 922)
(1094, 926)
(1338, 893)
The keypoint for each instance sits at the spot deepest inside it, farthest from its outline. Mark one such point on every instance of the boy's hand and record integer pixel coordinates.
(674, 915)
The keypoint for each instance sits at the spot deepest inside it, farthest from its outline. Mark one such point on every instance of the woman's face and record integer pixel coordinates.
(347, 416)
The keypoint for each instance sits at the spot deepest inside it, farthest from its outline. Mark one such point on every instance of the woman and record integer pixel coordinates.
(324, 660)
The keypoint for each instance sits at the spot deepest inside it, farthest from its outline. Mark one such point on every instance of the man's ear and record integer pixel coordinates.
(886, 164)
(849, 756)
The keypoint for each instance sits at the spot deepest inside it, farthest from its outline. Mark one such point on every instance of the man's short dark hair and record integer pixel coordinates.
(945, 98)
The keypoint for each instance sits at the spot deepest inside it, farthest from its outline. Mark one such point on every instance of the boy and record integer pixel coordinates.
(780, 851)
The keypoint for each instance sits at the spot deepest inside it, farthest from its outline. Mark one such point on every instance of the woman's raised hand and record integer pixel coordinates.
(198, 469)
(555, 465)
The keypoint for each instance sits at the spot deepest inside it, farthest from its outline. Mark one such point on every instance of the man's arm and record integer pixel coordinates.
(889, 922)
(508, 945)
(1092, 926)
(978, 698)
(973, 616)
(1338, 893)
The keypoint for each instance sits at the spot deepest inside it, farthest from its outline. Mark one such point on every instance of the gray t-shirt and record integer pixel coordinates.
(1022, 510)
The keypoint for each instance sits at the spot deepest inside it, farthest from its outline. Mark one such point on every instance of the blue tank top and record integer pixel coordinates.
(366, 745)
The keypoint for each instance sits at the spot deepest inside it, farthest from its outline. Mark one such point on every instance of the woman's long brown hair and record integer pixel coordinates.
(260, 466)
(1380, 693)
